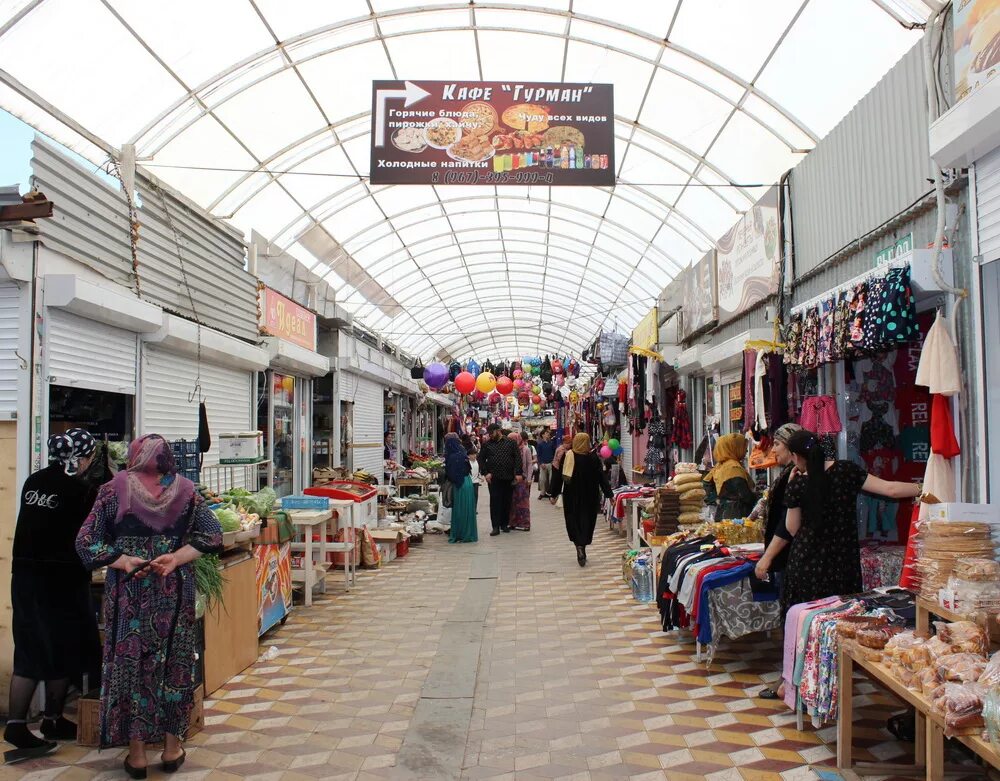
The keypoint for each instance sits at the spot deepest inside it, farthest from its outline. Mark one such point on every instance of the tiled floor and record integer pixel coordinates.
(575, 682)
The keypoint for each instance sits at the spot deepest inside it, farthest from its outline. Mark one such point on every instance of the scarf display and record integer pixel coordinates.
(149, 488)
(729, 453)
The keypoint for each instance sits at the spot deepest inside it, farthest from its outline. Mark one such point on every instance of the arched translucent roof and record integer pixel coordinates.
(259, 110)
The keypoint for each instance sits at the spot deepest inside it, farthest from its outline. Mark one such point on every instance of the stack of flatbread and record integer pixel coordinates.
(943, 544)
(692, 496)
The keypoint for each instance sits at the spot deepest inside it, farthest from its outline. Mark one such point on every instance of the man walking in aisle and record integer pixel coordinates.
(500, 464)
(546, 451)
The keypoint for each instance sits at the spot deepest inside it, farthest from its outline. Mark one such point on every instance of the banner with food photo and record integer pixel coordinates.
(484, 133)
(976, 44)
(700, 307)
(747, 258)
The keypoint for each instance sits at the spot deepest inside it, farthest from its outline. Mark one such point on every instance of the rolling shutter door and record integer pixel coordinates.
(10, 309)
(84, 353)
(627, 463)
(369, 406)
(988, 205)
(167, 382)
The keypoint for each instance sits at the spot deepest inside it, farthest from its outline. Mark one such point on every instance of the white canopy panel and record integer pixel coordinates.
(259, 111)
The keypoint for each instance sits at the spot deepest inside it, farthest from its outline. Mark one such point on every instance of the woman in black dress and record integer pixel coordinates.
(54, 627)
(582, 481)
(825, 557)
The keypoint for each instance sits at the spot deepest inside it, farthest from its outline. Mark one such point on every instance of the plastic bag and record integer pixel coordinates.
(927, 680)
(990, 675)
(877, 637)
(967, 636)
(896, 645)
(964, 667)
(962, 706)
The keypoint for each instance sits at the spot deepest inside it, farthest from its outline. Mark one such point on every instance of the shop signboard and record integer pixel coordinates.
(282, 317)
(486, 133)
(747, 263)
(700, 303)
(900, 247)
(976, 44)
(646, 332)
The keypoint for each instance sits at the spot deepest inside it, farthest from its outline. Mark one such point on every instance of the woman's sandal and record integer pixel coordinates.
(173, 765)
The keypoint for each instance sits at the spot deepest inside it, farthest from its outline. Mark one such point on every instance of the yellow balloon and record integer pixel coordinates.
(486, 383)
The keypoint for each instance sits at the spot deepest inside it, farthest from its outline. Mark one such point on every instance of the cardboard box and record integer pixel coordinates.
(956, 512)
(387, 551)
(245, 447)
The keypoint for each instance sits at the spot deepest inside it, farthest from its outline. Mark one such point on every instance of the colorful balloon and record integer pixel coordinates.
(536, 370)
(619, 451)
(537, 408)
(536, 399)
(614, 444)
(504, 385)
(518, 374)
(486, 382)
(436, 375)
(465, 383)
(606, 452)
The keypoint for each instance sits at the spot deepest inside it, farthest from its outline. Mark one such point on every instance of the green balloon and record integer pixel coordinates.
(614, 444)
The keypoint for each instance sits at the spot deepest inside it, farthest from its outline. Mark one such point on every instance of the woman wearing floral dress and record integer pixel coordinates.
(520, 508)
(147, 526)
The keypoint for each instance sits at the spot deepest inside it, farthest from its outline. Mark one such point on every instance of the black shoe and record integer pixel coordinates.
(173, 765)
(137, 773)
(495, 533)
(15, 755)
(505, 530)
(58, 729)
(19, 736)
(768, 694)
(581, 555)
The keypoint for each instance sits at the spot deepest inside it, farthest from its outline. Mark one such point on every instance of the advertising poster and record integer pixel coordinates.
(486, 133)
(274, 584)
(282, 317)
(700, 296)
(747, 258)
(977, 44)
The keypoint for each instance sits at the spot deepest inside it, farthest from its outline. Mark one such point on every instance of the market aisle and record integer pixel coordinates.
(574, 682)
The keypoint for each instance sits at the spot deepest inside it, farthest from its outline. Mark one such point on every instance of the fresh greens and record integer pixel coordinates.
(229, 519)
(208, 579)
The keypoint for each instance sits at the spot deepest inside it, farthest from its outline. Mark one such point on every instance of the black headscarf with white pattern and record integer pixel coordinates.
(70, 447)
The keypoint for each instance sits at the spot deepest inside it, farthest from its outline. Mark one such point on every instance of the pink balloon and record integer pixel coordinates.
(605, 452)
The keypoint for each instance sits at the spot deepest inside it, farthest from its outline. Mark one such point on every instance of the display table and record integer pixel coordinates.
(310, 523)
(420, 483)
(231, 627)
(929, 744)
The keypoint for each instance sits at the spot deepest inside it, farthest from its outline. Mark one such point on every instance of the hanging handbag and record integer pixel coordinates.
(417, 372)
(447, 493)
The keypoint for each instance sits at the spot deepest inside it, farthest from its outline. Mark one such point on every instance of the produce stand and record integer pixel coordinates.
(929, 747)
(416, 485)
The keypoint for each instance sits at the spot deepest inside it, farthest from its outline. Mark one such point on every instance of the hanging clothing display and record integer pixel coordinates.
(682, 436)
(939, 368)
(820, 415)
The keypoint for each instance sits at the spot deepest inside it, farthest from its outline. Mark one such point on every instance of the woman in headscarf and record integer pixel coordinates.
(147, 526)
(54, 627)
(564, 447)
(582, 481)
(728, 483)
(458, 472)
(520, 507)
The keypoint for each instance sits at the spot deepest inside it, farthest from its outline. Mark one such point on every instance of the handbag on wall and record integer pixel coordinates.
(417, 372)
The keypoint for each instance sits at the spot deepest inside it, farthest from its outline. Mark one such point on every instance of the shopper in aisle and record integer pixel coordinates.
(581, 481)
(147, 526)
(825, 557)
(475, 474)
(776, 536)
(458, 471)
(546, 450)
(728, 483)
(520, 508)
(501, 464)
(54, 628)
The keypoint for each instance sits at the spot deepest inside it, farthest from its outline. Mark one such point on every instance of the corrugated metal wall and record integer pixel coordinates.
(870, 167)
(988, 205)
(369, 421)
(91, 225)
(10, 317)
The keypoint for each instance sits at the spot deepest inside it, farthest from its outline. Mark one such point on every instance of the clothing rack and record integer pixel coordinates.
(878, 271)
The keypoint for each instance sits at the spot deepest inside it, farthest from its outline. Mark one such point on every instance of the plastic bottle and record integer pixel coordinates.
(564, 157)
(579, 157)
(642, 579)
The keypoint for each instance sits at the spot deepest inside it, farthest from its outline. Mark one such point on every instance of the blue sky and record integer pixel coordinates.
(15, 151)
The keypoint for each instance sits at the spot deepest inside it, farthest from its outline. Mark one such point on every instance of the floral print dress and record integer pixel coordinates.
(825, 557)
(147, 687)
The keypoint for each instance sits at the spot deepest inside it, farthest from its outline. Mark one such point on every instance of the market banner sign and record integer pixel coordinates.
(977, 44)
(647, 331)
(490, 132)
(747, 263)
(282, 317)
(700, 302)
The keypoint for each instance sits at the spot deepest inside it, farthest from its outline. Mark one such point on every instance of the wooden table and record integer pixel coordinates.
(402, 483)
(929, 734)
(308, 523)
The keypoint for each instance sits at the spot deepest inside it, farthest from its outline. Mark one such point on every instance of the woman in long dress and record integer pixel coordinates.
(53, 625)
(520, 508)
(458, 471)
(147, 526)
(582, 482)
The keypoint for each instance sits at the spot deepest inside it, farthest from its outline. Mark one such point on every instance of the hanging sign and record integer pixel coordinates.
(976, 44)
(747, 263)
(486, 133)
(282, 317)
(700, 308)
(900, 247)
(646, 333)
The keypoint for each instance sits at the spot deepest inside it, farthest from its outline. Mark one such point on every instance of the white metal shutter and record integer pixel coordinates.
(10, 310)
(627, 463)
(83, 353)
(168, 379)
(369, 421)
(988, 205)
